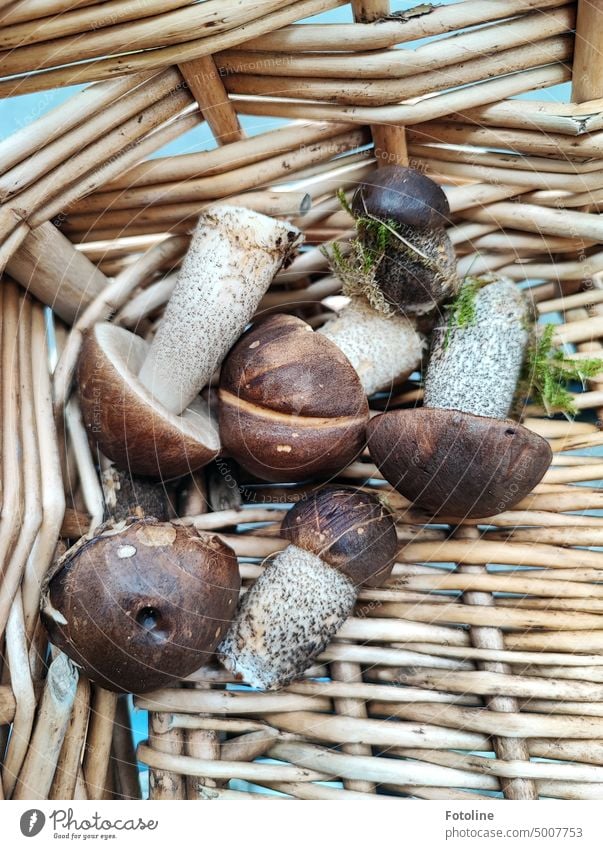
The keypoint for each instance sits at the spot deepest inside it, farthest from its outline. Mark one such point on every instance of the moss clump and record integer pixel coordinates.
(357, 272)
(358, 268)
(548, 371)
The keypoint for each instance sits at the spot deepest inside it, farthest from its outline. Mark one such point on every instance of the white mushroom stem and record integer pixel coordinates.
(286, 619)
(233, 257)
(475, 367)
(384, 349)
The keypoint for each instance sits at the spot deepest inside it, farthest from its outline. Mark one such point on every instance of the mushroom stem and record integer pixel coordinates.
(286, 619)
(474, 366)
(384, 349)
(234, 255)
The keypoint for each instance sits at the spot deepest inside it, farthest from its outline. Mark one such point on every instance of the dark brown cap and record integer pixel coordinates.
(402, 195)
(291, 404)
(351, 530)
(142, 604)
(457, 464)
(126, 422)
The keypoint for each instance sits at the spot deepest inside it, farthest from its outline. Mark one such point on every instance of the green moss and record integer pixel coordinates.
(357, 269)
(548, 371)
(461, 312)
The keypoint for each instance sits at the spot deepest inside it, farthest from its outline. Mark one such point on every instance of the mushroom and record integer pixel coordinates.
(401, 218)
(460, 454)
(291, 404)
(384, 349)
(339, 539)
(141, 402)
(141, 604)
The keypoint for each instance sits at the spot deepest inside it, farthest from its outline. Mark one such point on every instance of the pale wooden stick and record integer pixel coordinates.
(511, 769)
(367, 692)
(370, 655)
(480, 552)
(309, 790)
(53, 497)
(12, 467)
(124, 754)
(444, 793)
(182, 765)
(482, 617)
(537, 219)
(69, 761)
(25, 697)
(206, 86)
(514, 582)
(31, 10)
(525, 140)
(36, 775)
(587, 74)
(164, 744)
(521, 658)
(569, 641)
(248, 747)
(376, 769)
(561, 536)
(88, 226)
(31, 519)
(227, 703)
(61, 277)
(487, 683)
(98, 742)
(91, 488)
(518, 725)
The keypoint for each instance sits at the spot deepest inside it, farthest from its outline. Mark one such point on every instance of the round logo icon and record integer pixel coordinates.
(32, 822)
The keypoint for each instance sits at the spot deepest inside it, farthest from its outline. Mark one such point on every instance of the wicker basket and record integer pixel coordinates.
(494, 689)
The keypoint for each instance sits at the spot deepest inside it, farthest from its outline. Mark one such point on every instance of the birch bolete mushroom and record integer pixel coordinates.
(141, 402)
(291, 404)
(460, 454)
(339, 539)
(141, 604)
(401, 217)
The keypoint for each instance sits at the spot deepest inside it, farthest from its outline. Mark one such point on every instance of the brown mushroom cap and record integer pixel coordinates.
(350, 530)
(143, 604)
(402, 195)
(457, 464)
(126, 422)
(291, 404)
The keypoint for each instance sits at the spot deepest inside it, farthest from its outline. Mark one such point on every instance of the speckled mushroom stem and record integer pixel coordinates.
(384, 349)
(286, 619)
(475, 368)
(234, 255)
